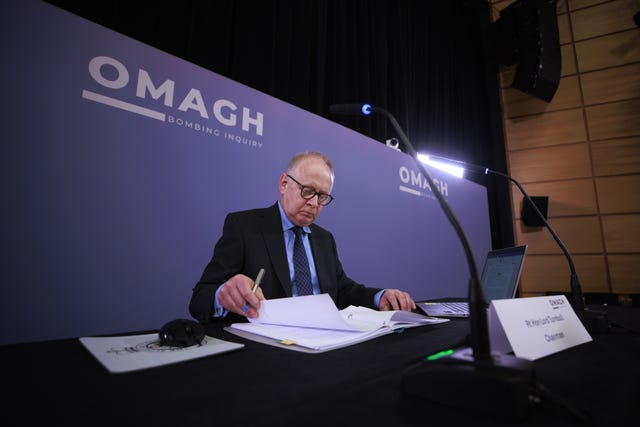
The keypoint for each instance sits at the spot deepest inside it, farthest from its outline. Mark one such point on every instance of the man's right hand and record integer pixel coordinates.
(236, 294)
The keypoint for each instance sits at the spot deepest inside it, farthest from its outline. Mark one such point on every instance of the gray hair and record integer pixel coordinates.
(295, 160)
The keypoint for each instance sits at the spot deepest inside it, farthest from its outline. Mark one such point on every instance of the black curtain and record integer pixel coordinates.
(427, 62)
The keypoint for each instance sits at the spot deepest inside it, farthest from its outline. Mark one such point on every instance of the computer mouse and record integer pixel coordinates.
(181, 333)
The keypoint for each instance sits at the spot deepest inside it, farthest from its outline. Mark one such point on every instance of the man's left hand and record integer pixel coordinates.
(394, 299)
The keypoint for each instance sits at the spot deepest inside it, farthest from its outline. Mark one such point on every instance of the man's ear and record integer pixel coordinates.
(283, 182)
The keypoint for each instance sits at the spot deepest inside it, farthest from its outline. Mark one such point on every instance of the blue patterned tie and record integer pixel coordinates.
(302, 275)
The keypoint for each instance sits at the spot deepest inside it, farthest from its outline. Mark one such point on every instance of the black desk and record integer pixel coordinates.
(60, 383)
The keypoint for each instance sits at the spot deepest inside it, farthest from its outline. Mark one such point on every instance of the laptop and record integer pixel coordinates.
(500, 277)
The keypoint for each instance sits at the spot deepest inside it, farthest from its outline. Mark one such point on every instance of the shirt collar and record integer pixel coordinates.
(286, 222)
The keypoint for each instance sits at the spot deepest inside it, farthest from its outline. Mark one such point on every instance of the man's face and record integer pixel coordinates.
(310, 172)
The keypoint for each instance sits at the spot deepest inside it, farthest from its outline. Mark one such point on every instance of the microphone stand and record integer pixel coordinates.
(593, 320)
(472, 378)
(477, 303)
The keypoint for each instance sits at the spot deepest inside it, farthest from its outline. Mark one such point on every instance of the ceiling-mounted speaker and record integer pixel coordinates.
(526, 34)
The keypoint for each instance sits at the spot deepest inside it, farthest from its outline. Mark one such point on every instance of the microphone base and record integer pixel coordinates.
(594, 321)
(500, 386)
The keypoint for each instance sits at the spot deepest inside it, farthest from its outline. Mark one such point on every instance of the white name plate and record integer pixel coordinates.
(535, 327)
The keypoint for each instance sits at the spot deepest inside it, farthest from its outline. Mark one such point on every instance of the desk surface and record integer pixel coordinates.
(60, 383)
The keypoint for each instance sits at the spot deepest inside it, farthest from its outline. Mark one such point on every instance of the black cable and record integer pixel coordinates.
(548, 400)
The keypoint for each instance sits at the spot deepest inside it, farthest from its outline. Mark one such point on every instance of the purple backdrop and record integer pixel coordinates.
(119, 163)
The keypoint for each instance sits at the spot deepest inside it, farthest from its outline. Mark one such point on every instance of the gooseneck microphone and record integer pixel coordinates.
(593, 320)
(475, 378)
(350, 109)
(477, 303)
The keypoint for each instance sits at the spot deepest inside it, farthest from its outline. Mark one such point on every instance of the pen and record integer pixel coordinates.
(256, 283)
(258, 280)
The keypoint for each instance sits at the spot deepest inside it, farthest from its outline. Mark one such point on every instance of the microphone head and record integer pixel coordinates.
(351, 109)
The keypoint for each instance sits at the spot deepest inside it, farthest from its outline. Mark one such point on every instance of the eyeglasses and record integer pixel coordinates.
(309, 193)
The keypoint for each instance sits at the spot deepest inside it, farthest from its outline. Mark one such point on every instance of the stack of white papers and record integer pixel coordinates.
(313, 322)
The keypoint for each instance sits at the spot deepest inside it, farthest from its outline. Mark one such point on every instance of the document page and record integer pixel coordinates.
(310, 311)
(313, 338)
(314, 322)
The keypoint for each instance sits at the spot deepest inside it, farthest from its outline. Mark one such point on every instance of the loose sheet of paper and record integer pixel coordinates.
(134, 352)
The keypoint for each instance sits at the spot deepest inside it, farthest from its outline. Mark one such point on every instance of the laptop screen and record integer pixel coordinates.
(501, 272)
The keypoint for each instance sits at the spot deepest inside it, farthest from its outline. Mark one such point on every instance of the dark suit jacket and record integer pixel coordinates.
(254, 239)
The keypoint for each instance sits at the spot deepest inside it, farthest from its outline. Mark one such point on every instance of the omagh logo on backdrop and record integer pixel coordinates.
(217, 118)
(413, 182)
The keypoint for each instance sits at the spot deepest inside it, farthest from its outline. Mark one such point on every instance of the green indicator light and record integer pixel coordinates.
(440, 354)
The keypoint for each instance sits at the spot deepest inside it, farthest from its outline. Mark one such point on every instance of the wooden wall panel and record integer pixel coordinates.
(615, 120)
(592, 272)
(551, 273)
(579, 4)
(624, 271)
(618, 194)
(566, 198)
(568, 60)
(605, 18)
(581, 235)
(507, 75)
(582, 150)
(499, 5)
(613, 84)
(551, 163)
(616, 156)
(564, 29)
(609, 51)
(622, 233)
(561, 7)
(517, 103)
(541, 130)
(544, 273)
